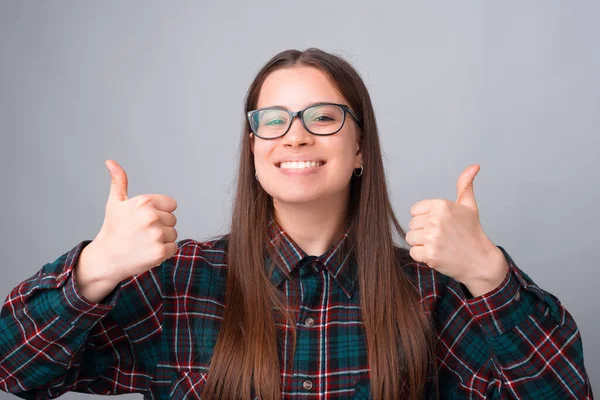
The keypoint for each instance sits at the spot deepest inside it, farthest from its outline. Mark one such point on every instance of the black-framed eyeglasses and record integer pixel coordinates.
(320, 119)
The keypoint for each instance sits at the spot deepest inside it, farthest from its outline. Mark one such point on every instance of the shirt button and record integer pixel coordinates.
(309, 322)
(307, 385)
(518, 296)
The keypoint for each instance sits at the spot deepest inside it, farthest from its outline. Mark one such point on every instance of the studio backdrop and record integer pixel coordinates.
(159, 87)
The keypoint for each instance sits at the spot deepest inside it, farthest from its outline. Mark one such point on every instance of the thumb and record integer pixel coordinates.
(464, 186)
(118, 181)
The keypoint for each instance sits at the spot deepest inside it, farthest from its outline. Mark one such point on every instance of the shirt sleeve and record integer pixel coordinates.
(515, 342)
(53, 340)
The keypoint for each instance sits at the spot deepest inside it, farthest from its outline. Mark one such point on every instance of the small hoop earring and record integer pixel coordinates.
(361, 171)
(256, 176)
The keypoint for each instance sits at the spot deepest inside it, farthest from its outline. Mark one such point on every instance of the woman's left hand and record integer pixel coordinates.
(448, 237)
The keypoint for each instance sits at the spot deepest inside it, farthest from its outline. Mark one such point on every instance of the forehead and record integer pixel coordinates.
(296, 88)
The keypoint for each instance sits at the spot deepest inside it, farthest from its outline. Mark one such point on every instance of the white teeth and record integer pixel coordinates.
(300, 164)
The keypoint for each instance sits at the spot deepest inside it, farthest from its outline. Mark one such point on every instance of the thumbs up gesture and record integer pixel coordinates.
(137, 233)
(448, 237)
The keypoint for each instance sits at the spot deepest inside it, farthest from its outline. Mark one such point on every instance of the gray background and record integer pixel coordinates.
(512, 86)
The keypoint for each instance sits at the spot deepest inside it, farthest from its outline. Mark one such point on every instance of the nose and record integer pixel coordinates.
(297, 135)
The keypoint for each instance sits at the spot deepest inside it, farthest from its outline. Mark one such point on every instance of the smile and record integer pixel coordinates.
(299, 164)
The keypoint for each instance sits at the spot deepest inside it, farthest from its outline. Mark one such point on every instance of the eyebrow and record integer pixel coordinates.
(305, 106)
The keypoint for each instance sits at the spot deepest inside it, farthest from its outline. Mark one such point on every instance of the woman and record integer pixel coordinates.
(307, 296)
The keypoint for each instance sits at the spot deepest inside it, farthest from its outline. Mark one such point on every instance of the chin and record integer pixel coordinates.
(297, 198)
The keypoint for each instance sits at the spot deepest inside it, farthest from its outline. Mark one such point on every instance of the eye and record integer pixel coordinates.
(275, 122)
(273, 118)
(323, 114)
(323, 119)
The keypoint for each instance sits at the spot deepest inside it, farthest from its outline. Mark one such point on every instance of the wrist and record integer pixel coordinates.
(93, 269)
(491, 273)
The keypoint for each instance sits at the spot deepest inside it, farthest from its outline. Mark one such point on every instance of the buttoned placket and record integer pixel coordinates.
(310, 268)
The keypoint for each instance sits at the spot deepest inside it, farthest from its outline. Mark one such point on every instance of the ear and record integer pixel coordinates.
(251, 136)
(358, 158)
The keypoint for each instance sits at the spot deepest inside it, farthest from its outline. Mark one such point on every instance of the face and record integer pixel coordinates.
(339, 154)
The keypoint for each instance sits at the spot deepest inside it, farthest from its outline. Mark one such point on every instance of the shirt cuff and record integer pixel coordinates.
(69, 303)
(513, 300)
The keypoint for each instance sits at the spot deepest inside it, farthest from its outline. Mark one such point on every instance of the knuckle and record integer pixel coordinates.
(160, 252)
(143, 200)
(441, 205)
(150, 218)
(431, 253)
(433, 234)
(444, 205)
(427, 236)
(430, 237)
(156, 234)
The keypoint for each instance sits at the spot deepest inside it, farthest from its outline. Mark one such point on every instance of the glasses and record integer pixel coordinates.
(320, 119)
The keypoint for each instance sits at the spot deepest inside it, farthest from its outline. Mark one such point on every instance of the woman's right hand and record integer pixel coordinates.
(137, 233)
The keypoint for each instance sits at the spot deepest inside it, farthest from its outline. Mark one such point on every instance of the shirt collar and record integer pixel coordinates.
(338, 259)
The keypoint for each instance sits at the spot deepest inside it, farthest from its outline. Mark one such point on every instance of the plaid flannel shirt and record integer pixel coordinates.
(155, 332)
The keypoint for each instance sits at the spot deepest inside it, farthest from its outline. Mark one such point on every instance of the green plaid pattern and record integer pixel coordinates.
(155, 332)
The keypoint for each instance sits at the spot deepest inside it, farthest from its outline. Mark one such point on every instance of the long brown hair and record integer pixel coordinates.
(399, 333)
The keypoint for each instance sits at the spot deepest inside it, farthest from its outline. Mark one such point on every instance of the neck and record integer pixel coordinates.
(312, 226)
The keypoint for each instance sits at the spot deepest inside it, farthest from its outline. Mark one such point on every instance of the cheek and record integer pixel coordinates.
(347, 153)
(261, 155)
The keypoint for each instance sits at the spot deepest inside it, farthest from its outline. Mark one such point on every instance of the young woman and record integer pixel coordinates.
(307, 296)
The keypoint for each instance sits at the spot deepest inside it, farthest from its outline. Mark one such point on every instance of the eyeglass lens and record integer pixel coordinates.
(321, 119)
